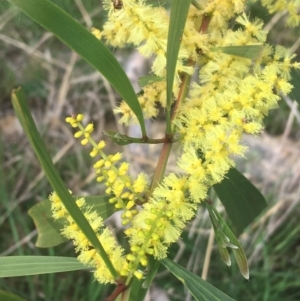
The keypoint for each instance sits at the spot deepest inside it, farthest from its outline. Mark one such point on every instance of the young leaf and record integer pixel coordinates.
(200, 289)
(70, 32)
(14, 266)
(251, 52)
(227, 239)
(27, 122)
(49, 229)
(242, 200)
(178, 16)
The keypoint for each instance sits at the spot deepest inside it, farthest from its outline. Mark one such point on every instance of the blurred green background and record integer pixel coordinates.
(57, 83)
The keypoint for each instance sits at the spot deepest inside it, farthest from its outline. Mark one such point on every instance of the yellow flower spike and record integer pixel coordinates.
(139, 275)
(108, 190)
(68, 119)
(84, 141)
(87, 135)
(79, 117)
(78, 134)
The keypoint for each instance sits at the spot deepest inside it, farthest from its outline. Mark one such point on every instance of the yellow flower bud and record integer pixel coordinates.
(101, 144)
(138, 274)
(84, 141)
(89, 128)
(125, 222)
(143, 261)
(100, 179)
(135, 248)
(130, 257)
(116, 157)
(79, 117)
(130, 204)
(78, 134)
(99, 164)
(155, 236)
(94, 153)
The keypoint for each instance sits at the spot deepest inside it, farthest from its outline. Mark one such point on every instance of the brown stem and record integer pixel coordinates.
(166, 149)
(120, 288)
(160, 167)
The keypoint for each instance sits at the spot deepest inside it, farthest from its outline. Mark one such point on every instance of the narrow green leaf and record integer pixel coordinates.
(146, 80)
(200, 289)
(49, 229)
(178, 16)
(251, 52)
(241, 260)
(227, 239)
(8, 296)
(14, 266)
(27, 122)
(78, 38)
(225, 255)
(242, 200)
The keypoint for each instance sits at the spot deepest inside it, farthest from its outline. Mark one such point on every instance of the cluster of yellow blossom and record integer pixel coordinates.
(88, 254)
(233, 95)
(290, 6)
(151, 95)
